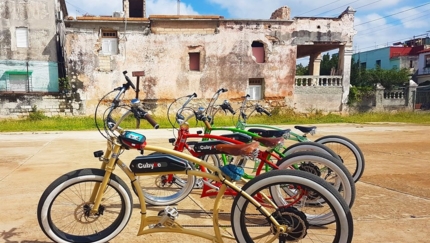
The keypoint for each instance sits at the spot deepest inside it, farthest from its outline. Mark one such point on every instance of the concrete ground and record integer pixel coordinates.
(392, 204)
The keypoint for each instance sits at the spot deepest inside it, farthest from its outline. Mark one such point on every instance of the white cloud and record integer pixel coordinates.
(168, 7)
(414, 18)
(103, 7)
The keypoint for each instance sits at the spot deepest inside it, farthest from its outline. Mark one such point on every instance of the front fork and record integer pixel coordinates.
(108, 165)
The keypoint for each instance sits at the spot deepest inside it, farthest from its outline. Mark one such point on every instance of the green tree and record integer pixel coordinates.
(301, 70)
(370, 77)
(329, 63)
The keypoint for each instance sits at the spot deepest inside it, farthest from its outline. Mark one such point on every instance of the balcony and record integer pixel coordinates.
(309, 80)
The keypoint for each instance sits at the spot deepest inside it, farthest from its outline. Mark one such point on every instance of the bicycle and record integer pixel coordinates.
(95, 205)
(317, 163)
(346, 150)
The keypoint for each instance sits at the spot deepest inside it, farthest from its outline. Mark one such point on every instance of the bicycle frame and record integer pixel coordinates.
(293, 136)
(111, 159)
(181, 144)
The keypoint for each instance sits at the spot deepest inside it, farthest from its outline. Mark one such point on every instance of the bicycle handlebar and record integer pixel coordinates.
(136, 107)
(260, 110)
(128, 80)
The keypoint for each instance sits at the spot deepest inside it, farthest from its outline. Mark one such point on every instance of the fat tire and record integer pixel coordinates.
(348, 185)
(72, 178)
(353, 147)
(310, 146)
(342, 213)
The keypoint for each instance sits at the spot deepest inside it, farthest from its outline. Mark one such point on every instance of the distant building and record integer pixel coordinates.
(30, 52)
(398, 56)
(423, 73)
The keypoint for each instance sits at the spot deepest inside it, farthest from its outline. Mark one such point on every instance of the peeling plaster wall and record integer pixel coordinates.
(39, 17)
(225, 56)
(40, 57)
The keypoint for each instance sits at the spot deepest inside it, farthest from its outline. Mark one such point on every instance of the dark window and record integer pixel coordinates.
(427, 60)
(378, 63)
(363, 65)
(136, 8)
(258, 51)
(411, 64)
(194, 61)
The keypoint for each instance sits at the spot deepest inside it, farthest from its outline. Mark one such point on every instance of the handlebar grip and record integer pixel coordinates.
(266, 112)
(151, 121)
(192, 95)
(128, 80)
(231, 110)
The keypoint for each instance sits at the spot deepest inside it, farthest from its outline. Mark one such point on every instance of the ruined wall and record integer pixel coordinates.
(281, 13)
(16, 105)
(225, 60)
(38, 61)
(312, 98)
(161, 46)
(39, 17)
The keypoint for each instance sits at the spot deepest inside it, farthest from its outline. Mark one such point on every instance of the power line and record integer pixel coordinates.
(393, 41)
(338, 7)
(401, 21)
(76, 8)
(393, 14)
(367, 4)
(318, 7)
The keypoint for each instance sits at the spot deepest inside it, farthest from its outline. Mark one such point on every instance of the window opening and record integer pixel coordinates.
(258, 51)
(255, 88)
(378, 63)
(109, 42)
(194, 61)
(22, 37)
(427, 59)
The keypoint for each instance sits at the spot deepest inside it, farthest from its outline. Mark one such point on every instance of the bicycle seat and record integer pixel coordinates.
(239, 137)
(238, 149)
(269, 133)
(269, 142)
(305, 129)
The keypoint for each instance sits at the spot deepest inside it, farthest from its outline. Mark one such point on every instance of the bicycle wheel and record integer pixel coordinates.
(348, 151)
(209, 158)
(167, 189)
(310, 146)
(325, 167)
(249, 225)
(64, 214)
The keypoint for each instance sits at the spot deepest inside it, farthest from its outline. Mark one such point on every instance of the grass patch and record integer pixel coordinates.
(40, 122)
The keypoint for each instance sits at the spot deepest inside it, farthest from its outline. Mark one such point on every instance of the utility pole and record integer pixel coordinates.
(179, 4)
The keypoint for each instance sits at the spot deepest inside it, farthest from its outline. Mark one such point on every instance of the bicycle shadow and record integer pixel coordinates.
(7, 235)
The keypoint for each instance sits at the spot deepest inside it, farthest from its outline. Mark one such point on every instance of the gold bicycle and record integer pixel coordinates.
(95, 205)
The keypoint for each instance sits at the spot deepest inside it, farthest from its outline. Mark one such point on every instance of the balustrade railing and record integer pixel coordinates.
(325, 80)
(394, 94)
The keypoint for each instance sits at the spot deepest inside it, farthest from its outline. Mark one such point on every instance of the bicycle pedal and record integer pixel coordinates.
(168, 216)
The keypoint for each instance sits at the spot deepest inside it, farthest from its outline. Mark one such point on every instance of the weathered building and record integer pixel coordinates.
(185, 54)
(31, 59)
(182, 54)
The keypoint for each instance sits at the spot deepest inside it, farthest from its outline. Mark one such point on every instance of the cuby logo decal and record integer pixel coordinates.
(150, 165)
(206, 147)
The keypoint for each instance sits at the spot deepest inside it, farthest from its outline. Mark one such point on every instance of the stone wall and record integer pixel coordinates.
(20, 105)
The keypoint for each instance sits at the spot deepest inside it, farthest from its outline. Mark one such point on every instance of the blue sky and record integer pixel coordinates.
(378, 22)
